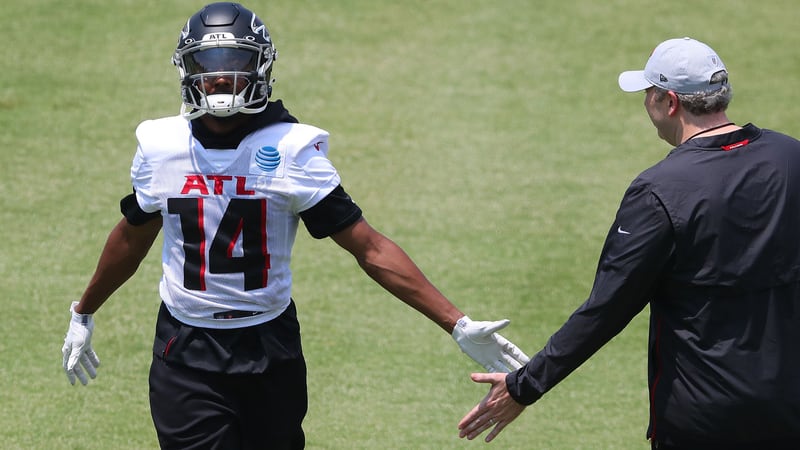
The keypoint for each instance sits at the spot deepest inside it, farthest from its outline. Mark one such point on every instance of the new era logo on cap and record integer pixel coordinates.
(684, 66)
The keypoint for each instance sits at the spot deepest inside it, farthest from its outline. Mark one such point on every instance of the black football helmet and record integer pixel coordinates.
(224, 58)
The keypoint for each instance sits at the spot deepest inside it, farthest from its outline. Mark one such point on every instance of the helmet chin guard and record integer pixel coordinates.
(224, 59)
(222, 105)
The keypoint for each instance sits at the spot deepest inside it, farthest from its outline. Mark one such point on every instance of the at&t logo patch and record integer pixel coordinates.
(268, 159)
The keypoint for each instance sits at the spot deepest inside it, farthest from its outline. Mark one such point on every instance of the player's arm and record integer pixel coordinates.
(338, 217)
(125, 248)
(387, 264)
(390, 266)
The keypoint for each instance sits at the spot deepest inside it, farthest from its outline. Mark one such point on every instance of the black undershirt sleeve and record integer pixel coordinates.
(133, 213)
(333, 213)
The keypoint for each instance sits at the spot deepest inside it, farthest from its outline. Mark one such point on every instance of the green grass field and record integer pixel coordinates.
(489, 139)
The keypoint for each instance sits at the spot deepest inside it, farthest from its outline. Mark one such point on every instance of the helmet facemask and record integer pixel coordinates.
(223, 77)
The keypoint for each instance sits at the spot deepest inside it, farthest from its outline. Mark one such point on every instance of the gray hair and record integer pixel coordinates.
(704, 102)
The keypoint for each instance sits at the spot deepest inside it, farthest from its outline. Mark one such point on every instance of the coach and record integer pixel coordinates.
(709, 238)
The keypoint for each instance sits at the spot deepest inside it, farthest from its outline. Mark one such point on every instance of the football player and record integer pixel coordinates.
(228, 181)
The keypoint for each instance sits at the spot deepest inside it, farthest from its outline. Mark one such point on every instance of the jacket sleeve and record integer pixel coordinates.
(637, 248)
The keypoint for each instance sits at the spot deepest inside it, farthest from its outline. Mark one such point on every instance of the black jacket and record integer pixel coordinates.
(710, 238)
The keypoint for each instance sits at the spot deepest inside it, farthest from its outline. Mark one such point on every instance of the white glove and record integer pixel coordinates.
(78, 348)
(480, 342)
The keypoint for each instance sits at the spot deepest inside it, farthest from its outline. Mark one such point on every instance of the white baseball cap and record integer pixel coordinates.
(684, 66)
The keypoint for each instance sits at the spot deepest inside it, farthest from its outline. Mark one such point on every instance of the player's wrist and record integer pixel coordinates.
(82, 318)
(459, 328)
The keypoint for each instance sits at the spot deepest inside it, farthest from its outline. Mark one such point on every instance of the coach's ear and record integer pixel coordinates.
(674, 103)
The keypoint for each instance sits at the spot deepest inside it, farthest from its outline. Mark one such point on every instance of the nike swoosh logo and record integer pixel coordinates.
(621, 231)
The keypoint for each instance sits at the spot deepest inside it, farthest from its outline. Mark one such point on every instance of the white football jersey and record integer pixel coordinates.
(230, 216)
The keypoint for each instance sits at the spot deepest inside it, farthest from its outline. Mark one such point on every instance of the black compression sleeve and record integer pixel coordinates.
(333, 213)
(135, 215)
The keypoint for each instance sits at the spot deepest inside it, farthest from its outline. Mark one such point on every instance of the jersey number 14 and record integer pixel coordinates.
(244, 219)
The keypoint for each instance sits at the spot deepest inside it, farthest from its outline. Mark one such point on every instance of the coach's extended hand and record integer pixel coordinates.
(480, 341)
(78, 348)
(496, 410)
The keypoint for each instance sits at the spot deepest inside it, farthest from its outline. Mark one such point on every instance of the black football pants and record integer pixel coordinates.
(194, 409)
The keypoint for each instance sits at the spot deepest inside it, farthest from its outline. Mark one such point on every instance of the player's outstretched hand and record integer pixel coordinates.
(481, 342)
(497, 409)
(77, 349)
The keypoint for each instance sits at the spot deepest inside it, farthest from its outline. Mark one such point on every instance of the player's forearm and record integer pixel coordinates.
(387, 264)
(124, 250)
(392, 268)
